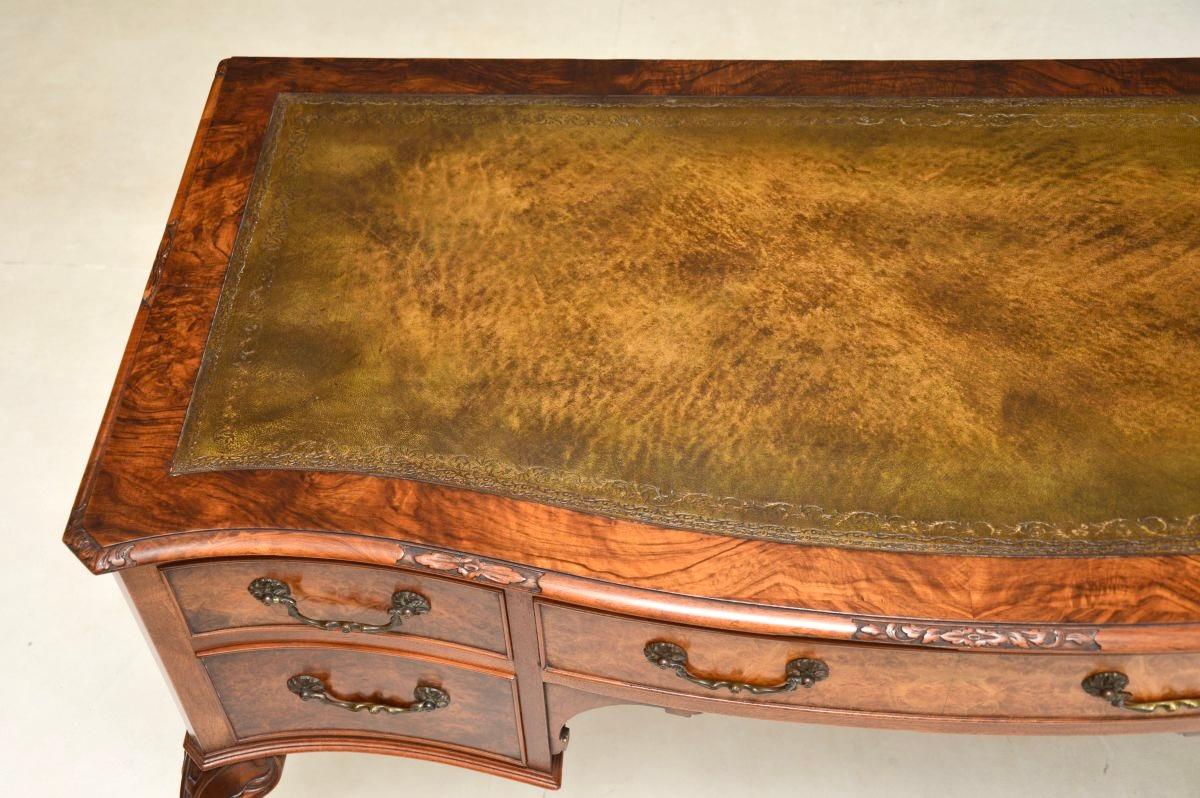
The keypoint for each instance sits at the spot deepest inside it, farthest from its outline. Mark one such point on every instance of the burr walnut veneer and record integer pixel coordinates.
(466, 396)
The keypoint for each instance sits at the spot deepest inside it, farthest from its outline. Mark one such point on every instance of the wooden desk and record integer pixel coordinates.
(466, 396)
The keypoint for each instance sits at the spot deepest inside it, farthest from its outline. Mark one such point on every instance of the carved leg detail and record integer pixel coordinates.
(248, 779)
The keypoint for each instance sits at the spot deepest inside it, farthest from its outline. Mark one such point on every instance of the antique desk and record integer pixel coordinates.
(466, 396)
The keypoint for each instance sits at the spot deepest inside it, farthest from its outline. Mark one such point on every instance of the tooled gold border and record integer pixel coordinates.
(791, 523)
(781, 521)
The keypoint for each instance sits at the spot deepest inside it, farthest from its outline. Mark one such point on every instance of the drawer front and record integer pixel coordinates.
(861, 677)
(253, 688)
(215, 596)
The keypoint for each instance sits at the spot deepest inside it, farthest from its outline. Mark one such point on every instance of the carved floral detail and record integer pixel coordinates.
(81, 543)
(469, 567)
(116, 557)
(97, 558)
(978, 636)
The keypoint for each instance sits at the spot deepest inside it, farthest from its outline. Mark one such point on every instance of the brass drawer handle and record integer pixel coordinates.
(798, 673)
(405, 604)
(425, 698)
(1110, 685)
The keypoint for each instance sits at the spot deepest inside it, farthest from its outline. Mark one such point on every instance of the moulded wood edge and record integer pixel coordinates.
(412, 748)
(620, 692)
(708, 612)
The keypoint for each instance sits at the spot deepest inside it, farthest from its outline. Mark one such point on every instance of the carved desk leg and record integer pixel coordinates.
(248, 779)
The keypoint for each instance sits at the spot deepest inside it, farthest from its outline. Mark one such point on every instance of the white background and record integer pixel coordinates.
(98, 105)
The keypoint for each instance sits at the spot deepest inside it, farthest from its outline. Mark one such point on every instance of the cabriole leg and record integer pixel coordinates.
(249, 779)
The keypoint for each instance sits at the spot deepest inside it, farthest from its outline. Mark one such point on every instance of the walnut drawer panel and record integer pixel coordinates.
(863, 677)
(252, 687)
(214, 596)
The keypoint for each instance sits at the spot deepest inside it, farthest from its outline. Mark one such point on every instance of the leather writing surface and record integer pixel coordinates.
(951, 325)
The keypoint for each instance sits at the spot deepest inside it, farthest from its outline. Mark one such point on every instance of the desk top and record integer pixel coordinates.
(611, 308)
(909, 324)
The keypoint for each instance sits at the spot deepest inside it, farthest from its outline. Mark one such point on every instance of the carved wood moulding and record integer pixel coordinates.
(466, 566)
(967, 637)
(99, 559)
(250, 778)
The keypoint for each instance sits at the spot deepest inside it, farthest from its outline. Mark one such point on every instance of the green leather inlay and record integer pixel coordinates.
(956, 326)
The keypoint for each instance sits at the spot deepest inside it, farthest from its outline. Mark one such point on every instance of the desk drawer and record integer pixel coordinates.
(260, 691)
(861, 677)
(216, 596)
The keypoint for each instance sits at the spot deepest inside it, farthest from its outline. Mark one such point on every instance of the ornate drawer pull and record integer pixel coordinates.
(1110, 685)
(425, 698)
(798, 673)
(405, 604)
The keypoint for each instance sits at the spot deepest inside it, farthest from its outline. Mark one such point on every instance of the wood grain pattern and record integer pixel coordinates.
(912, 325)
(166, 631)
(917, 641)
(252, 685)
(213, 596)
(1126, 590)
(215, 746)
(128, 497)
(761, 619)
(876, 680)
(570, 694)
(523, 626)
